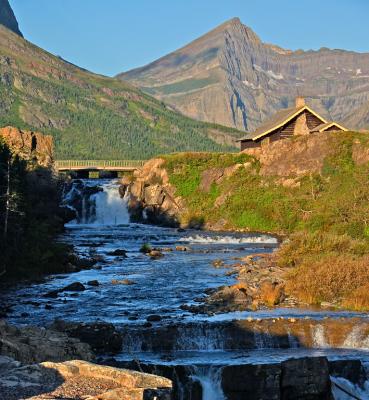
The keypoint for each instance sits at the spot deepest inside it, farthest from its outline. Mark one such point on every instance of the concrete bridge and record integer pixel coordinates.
(95, 168)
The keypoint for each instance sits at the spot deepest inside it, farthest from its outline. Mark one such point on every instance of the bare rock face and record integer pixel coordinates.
(301, 156)
(229, 76)
(7, 17)
(30, 146)
(303, 378)
(153, 196)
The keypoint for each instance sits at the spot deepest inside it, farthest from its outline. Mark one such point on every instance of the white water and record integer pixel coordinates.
(104, 208)
(319, 338)
(210, 380)
(209, 239)
(342, 389)
(110, 209)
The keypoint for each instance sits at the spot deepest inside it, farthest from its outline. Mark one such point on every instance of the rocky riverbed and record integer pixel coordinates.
(206, 310)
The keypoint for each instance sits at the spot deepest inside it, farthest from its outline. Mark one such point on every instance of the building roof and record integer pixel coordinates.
(278, 120)
(324, 127)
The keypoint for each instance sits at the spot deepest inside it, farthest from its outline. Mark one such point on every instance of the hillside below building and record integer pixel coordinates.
(294, 121)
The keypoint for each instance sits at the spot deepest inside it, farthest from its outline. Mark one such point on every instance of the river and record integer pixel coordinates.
(204, 343)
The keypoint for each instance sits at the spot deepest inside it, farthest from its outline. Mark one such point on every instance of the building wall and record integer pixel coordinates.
(249, 144)
(302, 124)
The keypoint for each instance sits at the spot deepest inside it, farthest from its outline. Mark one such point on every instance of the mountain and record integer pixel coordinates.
(91, 116)
(229, 76)
(7, 17)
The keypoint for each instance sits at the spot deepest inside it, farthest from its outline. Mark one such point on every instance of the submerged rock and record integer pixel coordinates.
(118, 252)
(93, 283)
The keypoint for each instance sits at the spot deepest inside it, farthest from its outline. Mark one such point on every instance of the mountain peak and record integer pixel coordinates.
(7, 17)
(233, 21)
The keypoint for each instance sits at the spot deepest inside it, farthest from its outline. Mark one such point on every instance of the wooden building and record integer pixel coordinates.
(298, 120)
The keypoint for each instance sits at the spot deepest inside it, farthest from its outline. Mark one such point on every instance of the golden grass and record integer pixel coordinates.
(341, 278)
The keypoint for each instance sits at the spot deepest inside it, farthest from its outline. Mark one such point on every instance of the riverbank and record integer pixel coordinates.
(132, 305)
(312, 190)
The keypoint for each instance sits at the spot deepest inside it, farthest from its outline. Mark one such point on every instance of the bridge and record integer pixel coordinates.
(98, 165)
(94, 168)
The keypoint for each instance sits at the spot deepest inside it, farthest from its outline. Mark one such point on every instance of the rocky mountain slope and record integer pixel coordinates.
(229, 76)
(7, 17)
(91, 116)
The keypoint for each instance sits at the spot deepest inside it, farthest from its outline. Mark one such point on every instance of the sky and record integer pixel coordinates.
(112, 36)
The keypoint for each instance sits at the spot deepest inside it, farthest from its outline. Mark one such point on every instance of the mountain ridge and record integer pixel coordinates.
(230, 76)
(7, 17)
(90, 115)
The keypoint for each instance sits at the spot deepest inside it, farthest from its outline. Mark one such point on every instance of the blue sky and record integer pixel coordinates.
(112, 36)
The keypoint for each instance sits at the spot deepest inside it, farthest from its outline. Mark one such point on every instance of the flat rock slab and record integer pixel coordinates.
(77, 380)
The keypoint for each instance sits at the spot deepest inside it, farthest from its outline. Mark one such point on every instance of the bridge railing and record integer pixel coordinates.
(98, 164)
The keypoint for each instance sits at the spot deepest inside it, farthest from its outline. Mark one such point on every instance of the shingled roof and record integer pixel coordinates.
(324, 127)
(278, 120)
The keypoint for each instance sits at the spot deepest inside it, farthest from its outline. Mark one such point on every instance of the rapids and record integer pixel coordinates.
(203, 343)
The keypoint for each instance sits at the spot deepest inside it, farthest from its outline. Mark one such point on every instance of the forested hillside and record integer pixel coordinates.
(91, 116)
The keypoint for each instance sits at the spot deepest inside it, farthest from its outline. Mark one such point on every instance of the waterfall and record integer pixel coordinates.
(110, 208)
(97, 202)
(210, 378)
(319, 339)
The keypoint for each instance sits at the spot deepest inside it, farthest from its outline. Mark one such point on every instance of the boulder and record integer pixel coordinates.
(155, 254)
(102, 337)
(73, 287)
(93, 283)
(118, 252)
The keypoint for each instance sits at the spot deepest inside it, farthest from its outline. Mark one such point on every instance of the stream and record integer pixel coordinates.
(203, 344)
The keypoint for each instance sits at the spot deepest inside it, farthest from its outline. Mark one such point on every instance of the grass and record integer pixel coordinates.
(325, 216)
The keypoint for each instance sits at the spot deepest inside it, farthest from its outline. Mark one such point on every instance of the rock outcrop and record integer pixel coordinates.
(301, 156)
(7, 17)
(78, 379)
(33, 344)
(229, 76)
(30, 146)
(152, 197)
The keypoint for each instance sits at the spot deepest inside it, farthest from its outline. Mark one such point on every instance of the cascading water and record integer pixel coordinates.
(98, 202)
(110, 207)
(210, 379)
(195, 345)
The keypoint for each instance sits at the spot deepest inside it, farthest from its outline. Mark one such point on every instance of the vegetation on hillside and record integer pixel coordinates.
(91, 116)
(324, 215)
(29, 219)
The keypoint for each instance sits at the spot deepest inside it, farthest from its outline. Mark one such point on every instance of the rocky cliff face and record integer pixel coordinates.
(7, 17)
(30, 146)
(230, 76)
(152, 197)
